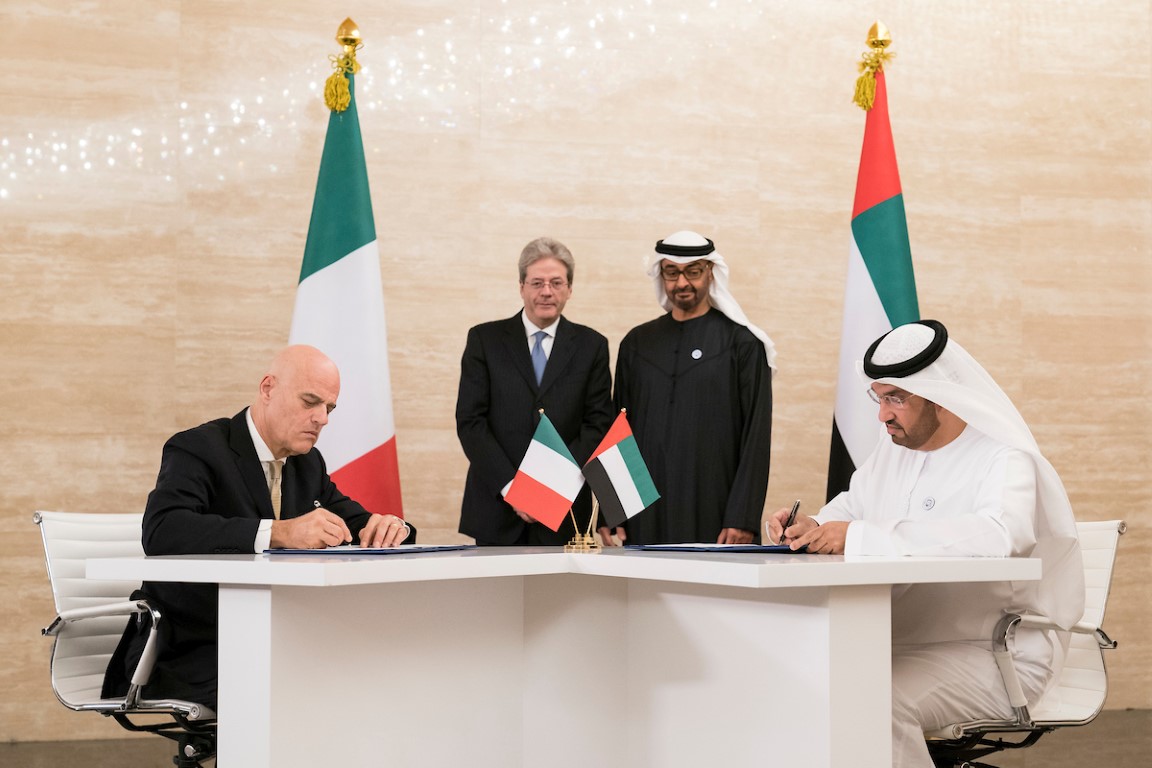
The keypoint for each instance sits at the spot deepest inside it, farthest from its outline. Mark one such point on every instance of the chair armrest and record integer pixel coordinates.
(1003, 638)
(147, 661)
(1080, 628)
(99, 611)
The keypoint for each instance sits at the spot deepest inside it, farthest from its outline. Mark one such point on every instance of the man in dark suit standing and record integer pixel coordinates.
(234, 486)
(510, 370)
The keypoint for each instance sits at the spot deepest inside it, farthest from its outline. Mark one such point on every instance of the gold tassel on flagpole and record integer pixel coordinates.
(873, 61)
(336, 93)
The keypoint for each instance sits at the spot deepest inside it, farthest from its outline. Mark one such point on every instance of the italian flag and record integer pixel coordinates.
(618, 475)
(548, 479)
(340, 310)
(880, 294)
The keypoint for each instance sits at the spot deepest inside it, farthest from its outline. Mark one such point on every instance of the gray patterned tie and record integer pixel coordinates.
(539, 359)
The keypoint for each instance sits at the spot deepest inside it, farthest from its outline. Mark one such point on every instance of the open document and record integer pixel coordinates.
(702, 547)
(354, 549)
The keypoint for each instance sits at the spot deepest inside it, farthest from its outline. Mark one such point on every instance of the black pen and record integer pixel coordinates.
(791, 519)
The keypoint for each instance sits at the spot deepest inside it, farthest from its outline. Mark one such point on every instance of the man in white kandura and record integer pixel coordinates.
(961, 476)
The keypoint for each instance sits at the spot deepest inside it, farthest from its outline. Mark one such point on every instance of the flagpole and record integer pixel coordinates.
(587, 542)
(596, 500)
(595, 511)
(339, 307)
(880, 285)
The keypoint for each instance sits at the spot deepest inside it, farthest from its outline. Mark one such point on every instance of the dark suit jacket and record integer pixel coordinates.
(210, 497)
(497, 411)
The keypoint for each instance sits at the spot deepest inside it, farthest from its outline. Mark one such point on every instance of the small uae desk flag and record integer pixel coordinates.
(340, 302)
(618, 475)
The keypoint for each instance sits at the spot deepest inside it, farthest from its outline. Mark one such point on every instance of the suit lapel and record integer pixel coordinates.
(563, 348)
(298, 486)
(516, 345)
(248, 465)
(289, 492)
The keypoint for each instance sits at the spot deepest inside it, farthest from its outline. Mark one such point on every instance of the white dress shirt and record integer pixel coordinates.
(264, 453)
(530, 333)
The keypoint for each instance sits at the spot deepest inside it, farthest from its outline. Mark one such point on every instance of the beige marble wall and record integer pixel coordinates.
(157, 165)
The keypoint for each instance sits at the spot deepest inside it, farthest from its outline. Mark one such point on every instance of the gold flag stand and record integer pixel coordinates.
(585, 542)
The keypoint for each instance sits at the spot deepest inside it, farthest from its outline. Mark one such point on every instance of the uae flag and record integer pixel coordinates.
(618, 475)
(340, 310)
(881, 290)
(548, 479)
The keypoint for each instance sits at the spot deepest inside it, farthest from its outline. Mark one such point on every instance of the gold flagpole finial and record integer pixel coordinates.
(872, 61)
(336, 92)
(348, 35)
(879, 36)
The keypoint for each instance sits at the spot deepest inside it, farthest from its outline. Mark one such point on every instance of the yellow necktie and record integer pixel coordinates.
(274, 486)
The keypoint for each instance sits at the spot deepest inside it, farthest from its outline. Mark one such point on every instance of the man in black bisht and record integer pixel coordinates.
(697, 385)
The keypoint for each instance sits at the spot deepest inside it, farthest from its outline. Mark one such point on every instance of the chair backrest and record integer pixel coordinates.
(1098, 544)
(82, 649)
(1078, 694)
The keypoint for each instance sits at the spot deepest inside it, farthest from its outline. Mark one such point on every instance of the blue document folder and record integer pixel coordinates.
(352, 549)
(757, 548)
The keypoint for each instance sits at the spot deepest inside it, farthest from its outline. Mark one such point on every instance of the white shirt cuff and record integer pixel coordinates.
(263, 536)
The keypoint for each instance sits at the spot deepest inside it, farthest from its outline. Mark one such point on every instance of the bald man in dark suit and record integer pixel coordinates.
(500, 398)
(215, 495)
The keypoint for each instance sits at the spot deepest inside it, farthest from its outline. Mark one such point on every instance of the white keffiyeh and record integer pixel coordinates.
(959, 384)
(718, 294)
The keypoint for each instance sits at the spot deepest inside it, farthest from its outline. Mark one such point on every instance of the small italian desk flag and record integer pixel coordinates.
(618, 475)
(340, 311)
(548, 480)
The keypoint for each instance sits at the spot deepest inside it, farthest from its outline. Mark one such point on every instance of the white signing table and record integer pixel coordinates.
(536, 658)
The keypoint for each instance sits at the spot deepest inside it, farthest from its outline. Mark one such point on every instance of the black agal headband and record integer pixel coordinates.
(685, 251)
(914, 364)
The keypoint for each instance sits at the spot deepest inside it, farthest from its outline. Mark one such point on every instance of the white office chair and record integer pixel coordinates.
(90, 620)
(1078, 694)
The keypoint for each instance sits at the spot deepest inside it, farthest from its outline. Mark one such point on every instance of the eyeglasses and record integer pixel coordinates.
(556, 284)
(693, 271)
(896, 402)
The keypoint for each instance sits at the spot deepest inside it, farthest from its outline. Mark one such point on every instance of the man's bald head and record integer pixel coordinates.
(294, 399)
